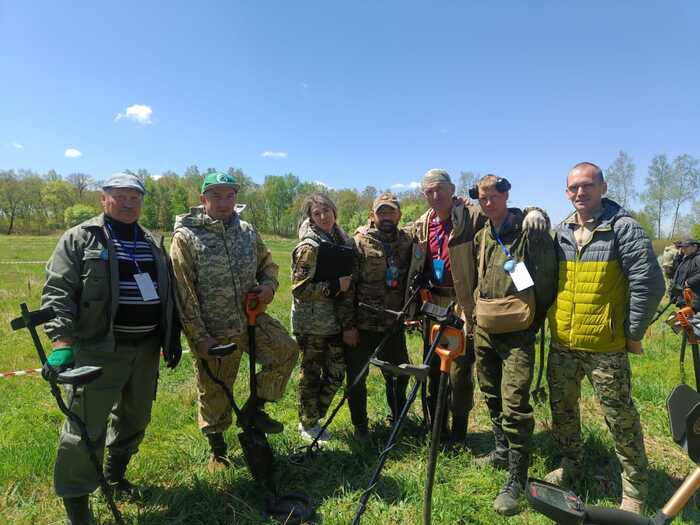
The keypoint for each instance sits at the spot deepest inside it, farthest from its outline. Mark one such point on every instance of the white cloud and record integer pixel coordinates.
(274, 154)
(138, 113)
(321, 183)
(73, 153)
(17, 145)
(410, 186)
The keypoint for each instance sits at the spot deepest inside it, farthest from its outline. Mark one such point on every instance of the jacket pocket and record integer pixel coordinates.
(94, 277)
(92, 318)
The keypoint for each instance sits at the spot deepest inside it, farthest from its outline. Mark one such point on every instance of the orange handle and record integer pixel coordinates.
(450, 347)
(426, 296)
(688, 296)
(253, 308)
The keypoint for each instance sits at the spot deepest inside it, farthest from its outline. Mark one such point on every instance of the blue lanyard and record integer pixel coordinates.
(503, 246)
(439, 237)
(132, 251)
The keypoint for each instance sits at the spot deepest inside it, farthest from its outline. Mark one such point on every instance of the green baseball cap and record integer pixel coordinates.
(217, 178)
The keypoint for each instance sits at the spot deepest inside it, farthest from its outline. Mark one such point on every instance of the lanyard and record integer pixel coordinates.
(132, 250)
(503, 247)
(439, 237)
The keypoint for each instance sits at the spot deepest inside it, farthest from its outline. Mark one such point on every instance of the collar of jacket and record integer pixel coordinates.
(98, 222)
(512, 224)
(611, 212)
(307, 230)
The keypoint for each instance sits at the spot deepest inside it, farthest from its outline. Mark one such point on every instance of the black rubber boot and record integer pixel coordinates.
(506, 502)
(115, 469)
(257, 417)
(361, 433)
(458, 437)
(78, 511)
(498, 457)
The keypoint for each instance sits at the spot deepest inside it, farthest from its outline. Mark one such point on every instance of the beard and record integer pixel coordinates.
(387, 227)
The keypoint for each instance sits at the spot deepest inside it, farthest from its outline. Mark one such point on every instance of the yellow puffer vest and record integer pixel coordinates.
(592, 295)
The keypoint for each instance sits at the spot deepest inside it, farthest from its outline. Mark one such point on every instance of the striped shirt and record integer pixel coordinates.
(134, 315)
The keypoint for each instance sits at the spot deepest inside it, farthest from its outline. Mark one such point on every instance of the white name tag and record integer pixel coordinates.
(145, 284)
(521, 277)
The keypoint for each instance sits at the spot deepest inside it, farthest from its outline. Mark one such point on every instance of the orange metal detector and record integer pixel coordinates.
(449, 347)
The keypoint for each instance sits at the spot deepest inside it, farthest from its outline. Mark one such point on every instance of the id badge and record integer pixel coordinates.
(438, 269)
(391, 277)
(145, 284)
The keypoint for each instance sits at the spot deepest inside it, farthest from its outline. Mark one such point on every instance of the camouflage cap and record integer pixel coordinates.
(435, 176)
(124, 181)
(217, 178)
(386, 199)
(687, 242)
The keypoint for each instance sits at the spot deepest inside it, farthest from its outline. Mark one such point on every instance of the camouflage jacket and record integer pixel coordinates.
(318, 308)
(82, 286)
(467, 220)
(215, 265)
(534, 248)
(375, 248)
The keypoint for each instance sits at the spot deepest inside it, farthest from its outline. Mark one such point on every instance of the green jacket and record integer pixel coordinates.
(534, 248)
(82, 286)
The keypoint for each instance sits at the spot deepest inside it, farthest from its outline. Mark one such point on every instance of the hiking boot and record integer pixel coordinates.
(310, 433)
(458, 436)
(256, 417)
(78, 510)
(631, 504)
(566, 475)
(498, 457)
(217, 464)
(506, 502)
(122, 489)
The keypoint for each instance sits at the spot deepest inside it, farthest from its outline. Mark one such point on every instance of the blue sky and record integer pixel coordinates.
(350, 93)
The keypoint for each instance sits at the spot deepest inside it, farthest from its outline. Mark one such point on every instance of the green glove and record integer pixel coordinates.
(61, 356)
(60, 360)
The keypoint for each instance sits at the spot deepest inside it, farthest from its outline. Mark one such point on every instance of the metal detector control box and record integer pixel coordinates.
(562, 506)
(684, 416)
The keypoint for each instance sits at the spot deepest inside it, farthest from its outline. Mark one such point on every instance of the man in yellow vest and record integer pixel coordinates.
(609, 287)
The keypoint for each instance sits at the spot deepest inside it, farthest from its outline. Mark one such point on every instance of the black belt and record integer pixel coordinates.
(133, 338)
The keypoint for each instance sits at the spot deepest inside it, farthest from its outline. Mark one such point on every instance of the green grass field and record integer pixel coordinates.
(173, 456)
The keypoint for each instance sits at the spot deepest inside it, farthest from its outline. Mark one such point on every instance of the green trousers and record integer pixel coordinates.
(123, 396)
(505, 371)
(394, 352)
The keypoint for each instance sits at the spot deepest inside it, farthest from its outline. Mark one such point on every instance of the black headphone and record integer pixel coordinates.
(502, 185)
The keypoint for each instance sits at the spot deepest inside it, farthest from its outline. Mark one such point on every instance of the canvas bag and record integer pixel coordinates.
(508, 314)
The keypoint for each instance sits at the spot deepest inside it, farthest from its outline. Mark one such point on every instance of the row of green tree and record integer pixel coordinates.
(31, 202)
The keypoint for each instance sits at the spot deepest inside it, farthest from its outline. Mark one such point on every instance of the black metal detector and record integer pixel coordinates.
(453, 336)
(418, 284)
(566, 508)
(75, 377)
(445, 318)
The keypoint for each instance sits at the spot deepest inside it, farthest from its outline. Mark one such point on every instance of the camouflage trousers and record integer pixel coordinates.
(610, 375)
(461, 373)
(275, 351)
(505, 374)
(321, 375)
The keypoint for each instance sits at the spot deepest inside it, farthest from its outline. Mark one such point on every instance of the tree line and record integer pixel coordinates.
(35, 203)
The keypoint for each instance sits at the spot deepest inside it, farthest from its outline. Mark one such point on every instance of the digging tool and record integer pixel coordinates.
(454, 337)
(539, 394)
(445, 318)
(75, 377)
(417, 285)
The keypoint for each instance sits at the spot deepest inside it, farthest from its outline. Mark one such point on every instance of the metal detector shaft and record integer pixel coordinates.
(389, 334)
(362, 505)
(434, 448)
(56, 392)
(696, 366)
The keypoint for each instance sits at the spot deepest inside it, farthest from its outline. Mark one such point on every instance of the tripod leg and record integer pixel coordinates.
(434, 449)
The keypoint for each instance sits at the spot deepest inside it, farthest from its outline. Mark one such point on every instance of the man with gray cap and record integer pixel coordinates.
(109, 283)
(443, 239)
(384, 253)
(687, 274)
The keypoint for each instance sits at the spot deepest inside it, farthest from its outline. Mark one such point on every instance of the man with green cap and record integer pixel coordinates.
(218, 259)
(109, 283)
(443, 249)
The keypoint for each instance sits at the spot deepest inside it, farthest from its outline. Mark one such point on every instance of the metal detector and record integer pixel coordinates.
(76, 377)
(566, 508)
(446, 318)
(417, 285)
(293, 508)
(450, 345)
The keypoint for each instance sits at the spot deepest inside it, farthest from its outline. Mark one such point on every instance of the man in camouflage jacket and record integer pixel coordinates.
(217, 259)
(384, 253)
